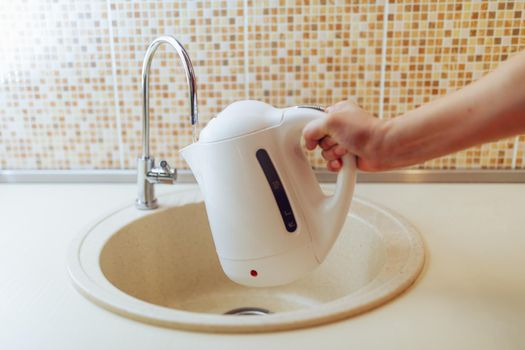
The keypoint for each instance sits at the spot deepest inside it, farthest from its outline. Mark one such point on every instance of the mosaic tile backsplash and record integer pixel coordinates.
(70, 69)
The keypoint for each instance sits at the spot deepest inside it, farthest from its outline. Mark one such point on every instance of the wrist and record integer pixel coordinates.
(377, 153)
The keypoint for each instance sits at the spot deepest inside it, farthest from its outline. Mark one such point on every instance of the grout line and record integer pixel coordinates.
(246, 80)
(383, 60)
(115, 87)
(515, 152)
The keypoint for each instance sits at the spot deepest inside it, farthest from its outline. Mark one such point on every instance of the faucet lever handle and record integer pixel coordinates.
(168, 175)
(165, 166)
(164, 174)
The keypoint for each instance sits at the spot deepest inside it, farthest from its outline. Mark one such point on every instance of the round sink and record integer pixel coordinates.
(161, 267)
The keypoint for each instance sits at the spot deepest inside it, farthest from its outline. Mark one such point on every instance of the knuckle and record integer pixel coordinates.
(334, 121)
(326, 142)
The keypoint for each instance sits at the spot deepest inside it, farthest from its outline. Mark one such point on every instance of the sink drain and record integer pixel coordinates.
(248, 311)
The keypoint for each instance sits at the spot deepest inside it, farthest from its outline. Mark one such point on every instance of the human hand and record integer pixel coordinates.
(346, 129)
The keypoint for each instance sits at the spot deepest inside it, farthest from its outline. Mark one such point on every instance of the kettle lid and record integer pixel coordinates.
(241, 118)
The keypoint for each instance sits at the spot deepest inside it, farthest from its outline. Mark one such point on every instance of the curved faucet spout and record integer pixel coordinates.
(190, 79)
(147, 173)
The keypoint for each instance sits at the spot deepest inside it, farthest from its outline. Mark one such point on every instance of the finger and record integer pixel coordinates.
(334, 165)
(313, 132)
(310, 144)
(339, 150)
(334, 153)
(327, 142)
(329, 155)
(340, 105)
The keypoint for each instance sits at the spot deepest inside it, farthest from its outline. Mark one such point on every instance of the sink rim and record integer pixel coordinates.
(108, 296)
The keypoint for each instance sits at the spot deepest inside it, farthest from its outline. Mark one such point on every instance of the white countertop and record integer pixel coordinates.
(471, 294)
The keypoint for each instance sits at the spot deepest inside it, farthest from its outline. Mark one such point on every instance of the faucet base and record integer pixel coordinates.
(146, 205)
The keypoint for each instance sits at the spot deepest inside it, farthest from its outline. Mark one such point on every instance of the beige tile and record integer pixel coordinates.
(316, 53)
(57, 108)
(495, 155)
(212, 33)
(520, 156)
(435, 48)
(56, 95)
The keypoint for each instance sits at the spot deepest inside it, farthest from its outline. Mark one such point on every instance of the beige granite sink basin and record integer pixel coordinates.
(160, 267)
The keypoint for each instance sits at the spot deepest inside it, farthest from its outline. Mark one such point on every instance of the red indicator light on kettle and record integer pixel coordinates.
(253, 273)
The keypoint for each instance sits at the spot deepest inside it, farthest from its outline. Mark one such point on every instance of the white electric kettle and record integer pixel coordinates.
(270, 220)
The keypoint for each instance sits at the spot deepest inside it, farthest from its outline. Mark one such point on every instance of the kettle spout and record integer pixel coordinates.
(192, 156)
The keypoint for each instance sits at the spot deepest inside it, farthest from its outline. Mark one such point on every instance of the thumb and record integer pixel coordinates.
(313, 132)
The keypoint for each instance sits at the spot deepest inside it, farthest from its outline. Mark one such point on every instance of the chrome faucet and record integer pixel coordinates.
(147, 173)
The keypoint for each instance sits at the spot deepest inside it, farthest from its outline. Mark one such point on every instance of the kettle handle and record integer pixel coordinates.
(324, 215)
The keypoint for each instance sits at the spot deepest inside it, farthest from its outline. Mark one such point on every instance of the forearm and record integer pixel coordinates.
(489, 109)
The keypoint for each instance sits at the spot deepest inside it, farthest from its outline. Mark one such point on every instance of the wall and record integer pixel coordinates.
(70, 70)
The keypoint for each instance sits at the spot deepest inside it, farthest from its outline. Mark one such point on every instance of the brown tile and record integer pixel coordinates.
(56, 93)
(495, 155)
(212, 33)
(316, 53)
(435, 48)
(57, 108)
(520, 156)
